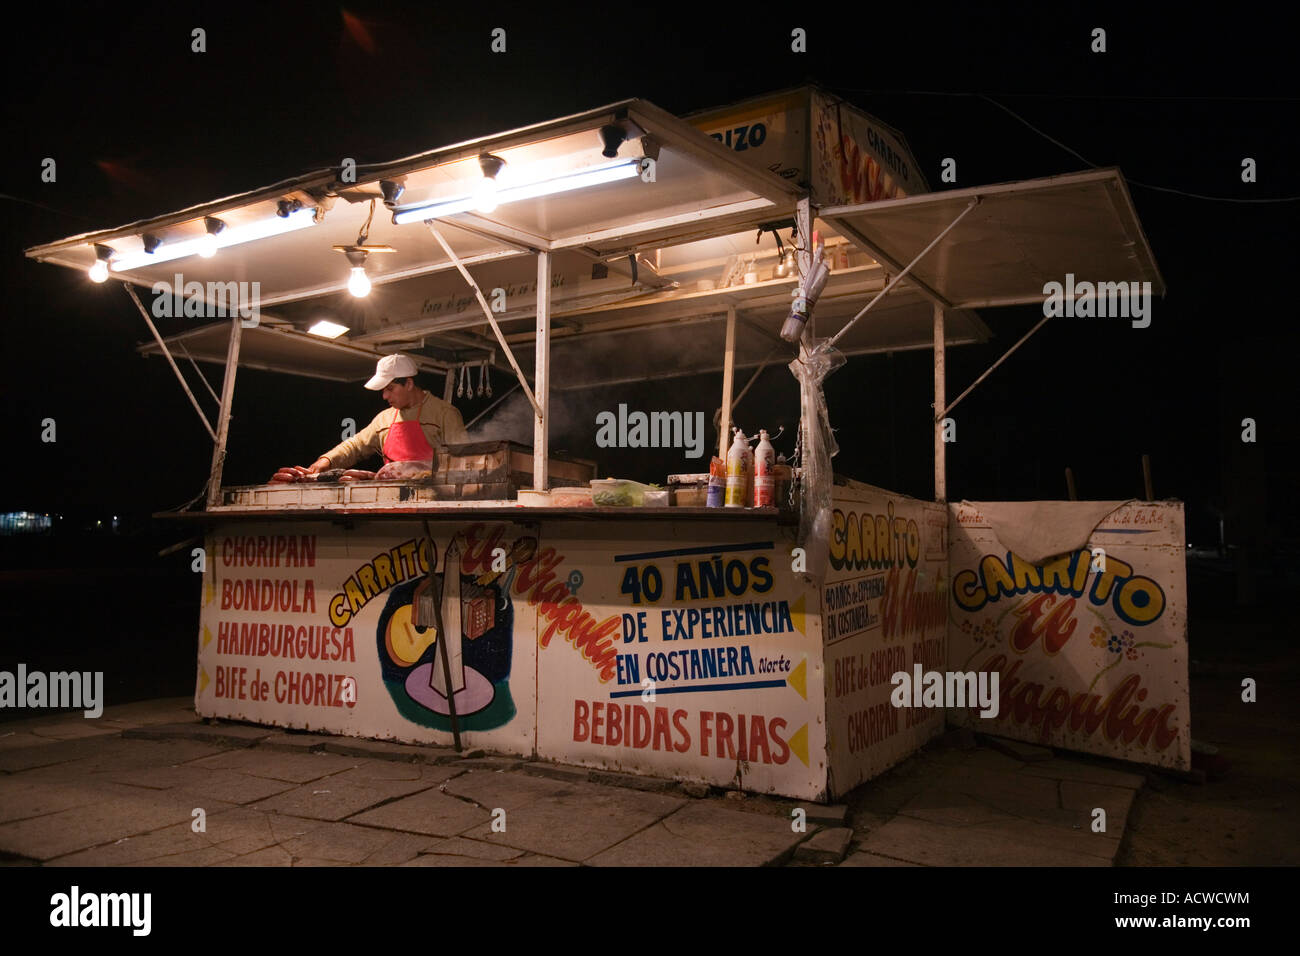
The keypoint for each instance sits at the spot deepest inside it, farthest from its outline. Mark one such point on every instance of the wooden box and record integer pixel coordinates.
(488, 470)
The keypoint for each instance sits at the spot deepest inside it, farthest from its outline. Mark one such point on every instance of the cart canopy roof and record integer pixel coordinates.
(639, 270)
(1018, 238)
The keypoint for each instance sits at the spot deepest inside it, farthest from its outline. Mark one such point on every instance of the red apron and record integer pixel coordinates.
(405, 441)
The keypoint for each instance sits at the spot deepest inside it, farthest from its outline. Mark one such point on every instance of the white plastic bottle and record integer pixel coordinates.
(764, 478)
(738, 470)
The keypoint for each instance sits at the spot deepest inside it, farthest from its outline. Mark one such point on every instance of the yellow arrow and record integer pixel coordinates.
(207, 636)
(204, 680)
(799, 744)
(797, 614)
(798, 678)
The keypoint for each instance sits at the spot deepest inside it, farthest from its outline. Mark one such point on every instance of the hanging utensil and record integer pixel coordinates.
(488, 372)
(482, 371)
(460, 383)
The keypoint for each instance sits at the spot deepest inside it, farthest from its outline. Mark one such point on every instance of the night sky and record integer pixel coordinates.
(141, 126)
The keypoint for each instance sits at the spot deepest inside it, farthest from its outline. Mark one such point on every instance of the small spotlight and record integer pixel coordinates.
(99, 271)
(392, 191)
(485, 192)
(151, 242)
(208, 244)
(613, 136)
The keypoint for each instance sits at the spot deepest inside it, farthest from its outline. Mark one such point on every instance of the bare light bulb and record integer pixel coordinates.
(359, 282)
(208, 245)
(485, 194)
(99, 271)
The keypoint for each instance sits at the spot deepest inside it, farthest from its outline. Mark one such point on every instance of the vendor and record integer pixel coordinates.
(409, 430)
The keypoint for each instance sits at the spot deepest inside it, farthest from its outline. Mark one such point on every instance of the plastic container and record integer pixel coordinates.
(532, 498)
(571, 498)
(764, 479)
(717, 483)
(739, 457)
(618, 493)
(691, 496)
(655, 498)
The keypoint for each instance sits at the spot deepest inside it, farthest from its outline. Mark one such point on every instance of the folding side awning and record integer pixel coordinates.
(277, 349)
(1019, 237)
(679, 334)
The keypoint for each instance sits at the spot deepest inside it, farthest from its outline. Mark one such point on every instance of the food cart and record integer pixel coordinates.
(748, 647)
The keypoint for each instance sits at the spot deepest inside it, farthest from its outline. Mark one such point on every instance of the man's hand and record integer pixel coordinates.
(319, 465)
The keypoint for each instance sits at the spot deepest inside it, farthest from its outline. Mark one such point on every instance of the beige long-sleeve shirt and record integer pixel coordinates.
(441, 423)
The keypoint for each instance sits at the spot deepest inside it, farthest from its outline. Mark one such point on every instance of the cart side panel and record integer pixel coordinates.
(310, 626)
(885, 601)
(715, 616)
(1091, 647)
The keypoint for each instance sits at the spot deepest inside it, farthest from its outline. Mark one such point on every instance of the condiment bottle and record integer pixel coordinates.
(764, 477)
(717, 482)
(739, 457)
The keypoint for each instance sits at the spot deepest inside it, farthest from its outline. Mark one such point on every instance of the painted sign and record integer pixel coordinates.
(316, 629)
(858, 159)
(1091, 646)
(699, 661)
(885, 601)
(769, 132)
(708, 666)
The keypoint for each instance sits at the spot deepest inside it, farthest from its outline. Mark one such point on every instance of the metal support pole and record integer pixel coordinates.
(199, 372)
(803, 260)
(442, 636)
(908, 268)
(728, 383)
(940, 453)
(496, 329)
(989, 371)
(493, 407)
(223, 423)
(803, 256)
(542, 374)
(767, 360)
(170, 361)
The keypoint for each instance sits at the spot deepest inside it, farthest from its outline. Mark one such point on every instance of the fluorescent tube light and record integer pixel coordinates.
(327, 329)
(230, 236)
(581, 179)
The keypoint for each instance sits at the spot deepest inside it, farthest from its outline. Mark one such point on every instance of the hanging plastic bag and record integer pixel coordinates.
(817, 447)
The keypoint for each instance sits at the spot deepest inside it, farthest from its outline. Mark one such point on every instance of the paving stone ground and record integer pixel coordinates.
(149, 784)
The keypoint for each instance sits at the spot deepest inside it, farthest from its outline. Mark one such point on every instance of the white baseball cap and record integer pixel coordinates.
(389, 368)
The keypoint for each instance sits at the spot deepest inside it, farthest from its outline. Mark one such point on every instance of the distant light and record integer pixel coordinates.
(327, 329)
